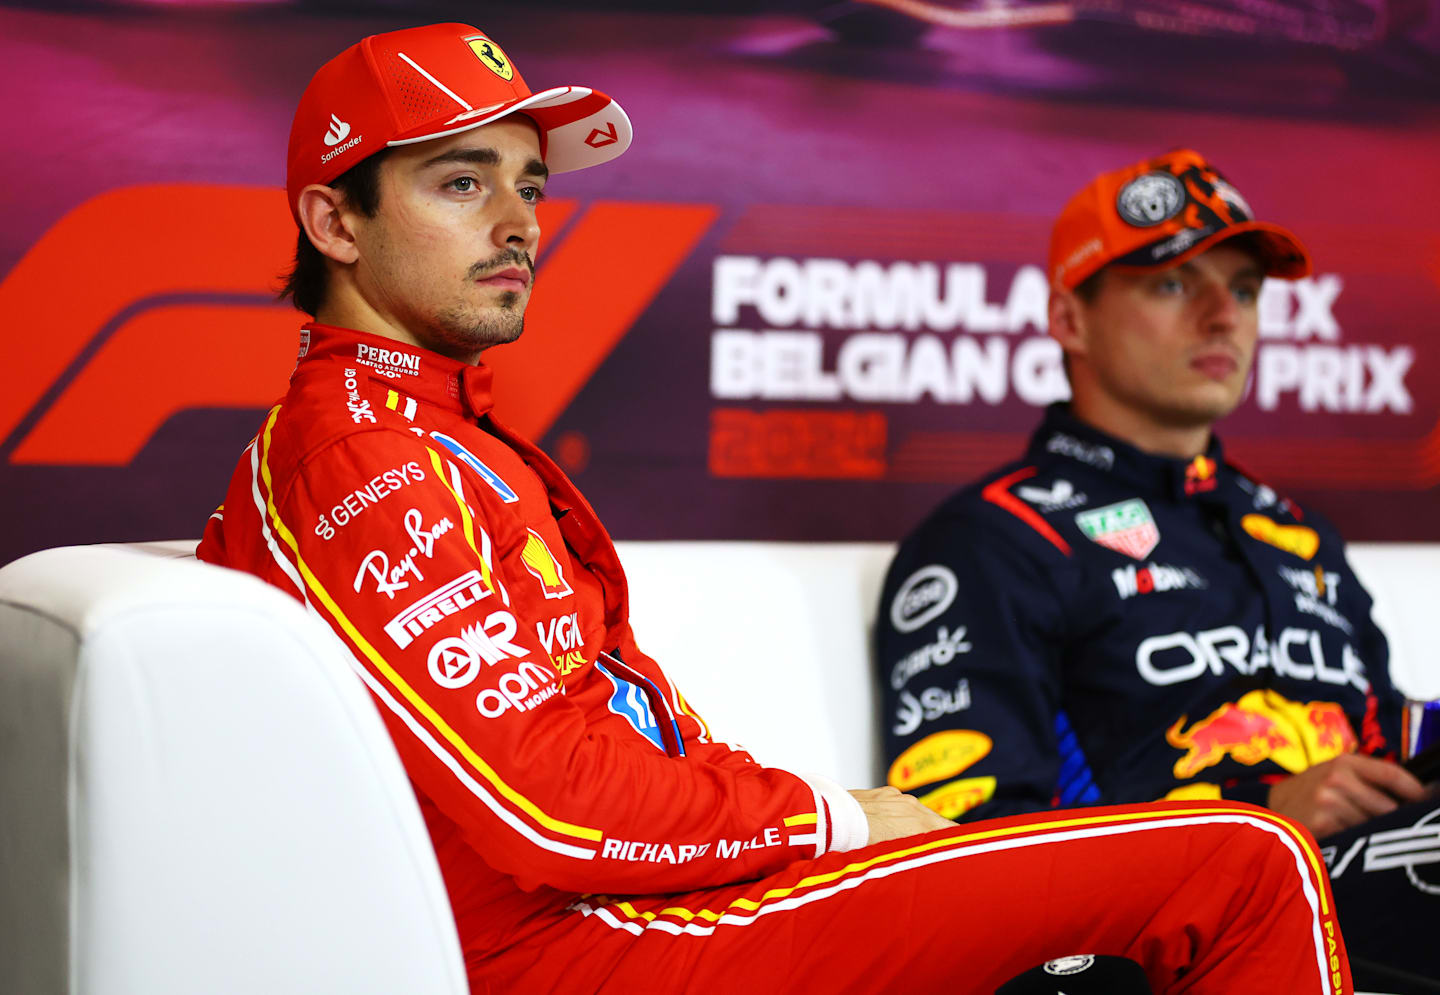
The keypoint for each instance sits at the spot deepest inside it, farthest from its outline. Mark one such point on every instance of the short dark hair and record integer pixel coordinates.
(305, 283)
(1089, 288)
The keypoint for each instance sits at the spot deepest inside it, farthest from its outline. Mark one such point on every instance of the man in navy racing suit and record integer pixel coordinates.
(1122, 615)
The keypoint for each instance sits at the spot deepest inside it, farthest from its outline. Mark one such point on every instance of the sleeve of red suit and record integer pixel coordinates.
(482, 724)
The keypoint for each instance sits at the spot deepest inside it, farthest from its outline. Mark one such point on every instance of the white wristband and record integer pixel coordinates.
(849, 829)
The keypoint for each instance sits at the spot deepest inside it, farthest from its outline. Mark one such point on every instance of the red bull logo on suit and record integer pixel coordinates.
(1263, 725)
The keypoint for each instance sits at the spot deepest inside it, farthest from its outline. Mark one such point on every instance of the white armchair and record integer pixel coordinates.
(196, 795)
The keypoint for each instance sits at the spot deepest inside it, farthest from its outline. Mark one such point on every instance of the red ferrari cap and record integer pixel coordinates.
(1159, 213)
(421, 83)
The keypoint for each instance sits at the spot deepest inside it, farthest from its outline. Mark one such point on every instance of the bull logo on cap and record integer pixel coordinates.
(493, 58)
(1151, 199)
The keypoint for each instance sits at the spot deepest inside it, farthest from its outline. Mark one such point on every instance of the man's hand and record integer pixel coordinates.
(1344, 792)
(892, 815)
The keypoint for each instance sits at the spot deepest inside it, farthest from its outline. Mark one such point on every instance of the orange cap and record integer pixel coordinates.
(410, 86)
(1159, 213)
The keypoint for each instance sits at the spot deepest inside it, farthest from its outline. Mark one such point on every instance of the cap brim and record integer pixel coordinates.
(1281, 253)
(579, 127)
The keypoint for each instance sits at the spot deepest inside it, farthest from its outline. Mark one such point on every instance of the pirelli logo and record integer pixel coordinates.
(462, 592)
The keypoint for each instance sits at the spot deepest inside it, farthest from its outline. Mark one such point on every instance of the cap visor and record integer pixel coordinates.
(581, 127)
(1281, 253)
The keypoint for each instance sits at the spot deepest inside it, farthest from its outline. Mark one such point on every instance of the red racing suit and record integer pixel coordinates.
(486, 610)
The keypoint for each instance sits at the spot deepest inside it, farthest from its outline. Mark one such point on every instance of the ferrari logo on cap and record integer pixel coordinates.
(493, 58)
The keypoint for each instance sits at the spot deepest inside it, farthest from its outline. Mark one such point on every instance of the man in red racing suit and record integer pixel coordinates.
(591, 832)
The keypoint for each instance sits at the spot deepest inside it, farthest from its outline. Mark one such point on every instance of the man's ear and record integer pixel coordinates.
(322, 214)
(1067, 321)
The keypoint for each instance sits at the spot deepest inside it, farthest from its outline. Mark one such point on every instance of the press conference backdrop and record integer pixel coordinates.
(807, 304)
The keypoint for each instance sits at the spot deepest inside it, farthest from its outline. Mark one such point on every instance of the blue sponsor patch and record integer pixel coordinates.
(507, 494)
(631, 704)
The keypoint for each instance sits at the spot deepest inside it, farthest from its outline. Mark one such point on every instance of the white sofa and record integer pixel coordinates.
(197, 795)
(771, 641)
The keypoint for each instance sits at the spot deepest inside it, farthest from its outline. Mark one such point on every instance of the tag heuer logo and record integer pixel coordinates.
(1125, 527)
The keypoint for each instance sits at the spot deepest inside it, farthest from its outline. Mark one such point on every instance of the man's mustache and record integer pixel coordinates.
(506, 257)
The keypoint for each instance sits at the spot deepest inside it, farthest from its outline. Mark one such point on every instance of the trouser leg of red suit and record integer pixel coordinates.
(1207, 897)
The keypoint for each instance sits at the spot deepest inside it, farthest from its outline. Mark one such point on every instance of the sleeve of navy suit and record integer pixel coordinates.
(969, 643)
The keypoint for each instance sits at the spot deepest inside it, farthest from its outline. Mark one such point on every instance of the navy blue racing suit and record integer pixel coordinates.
(1093, 624)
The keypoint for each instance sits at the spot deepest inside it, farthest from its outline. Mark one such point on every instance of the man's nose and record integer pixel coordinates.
(517, 227)
(1222, 310)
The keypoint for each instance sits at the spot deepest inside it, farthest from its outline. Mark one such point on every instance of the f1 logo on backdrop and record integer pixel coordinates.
(172, 323)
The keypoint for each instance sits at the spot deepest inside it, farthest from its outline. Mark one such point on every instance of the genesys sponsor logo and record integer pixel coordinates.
(1177, 657)
(388, 362)
(911, 331)
(378, 488)
(914, 710)
(1057, 497)
(1153, 577)
(562, 639)
(1316, 593)
(359, 407)
(544, 567)
(923, 596)
(665, 853)
(945, 647)
(938, 756)
(465, 591)
(390, 579)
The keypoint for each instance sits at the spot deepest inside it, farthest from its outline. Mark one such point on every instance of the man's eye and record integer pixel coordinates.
(1170, 285)
(532, 195)
(1247, 294)
(462, 184)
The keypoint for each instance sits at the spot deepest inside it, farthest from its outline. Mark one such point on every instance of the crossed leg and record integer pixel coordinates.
(1207, 897)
